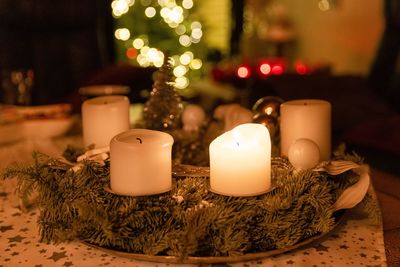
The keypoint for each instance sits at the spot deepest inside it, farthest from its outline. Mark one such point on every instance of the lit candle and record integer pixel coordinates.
(104, 117)
(140, 162)
(240, 161)
(306, 118)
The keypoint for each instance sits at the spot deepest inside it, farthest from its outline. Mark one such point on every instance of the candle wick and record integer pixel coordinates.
(140, 140)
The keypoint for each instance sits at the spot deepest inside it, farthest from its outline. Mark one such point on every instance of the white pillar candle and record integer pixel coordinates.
(240, 161)
(140, 162)
(306, 118)
(104, 117)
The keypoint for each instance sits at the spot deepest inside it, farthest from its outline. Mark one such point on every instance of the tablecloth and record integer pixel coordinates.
(357, 241)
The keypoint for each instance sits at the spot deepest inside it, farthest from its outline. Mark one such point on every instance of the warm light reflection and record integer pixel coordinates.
(196, 64)
(181, 82)
(324, 5)
(150, 12)
(185, 40)
(120, 7)
(180, 71)
(181, 29)
(138, 43)
(277, 70)
(265, 68)
(122, 34)
(187, 4)
(186, 57)
(243, 72)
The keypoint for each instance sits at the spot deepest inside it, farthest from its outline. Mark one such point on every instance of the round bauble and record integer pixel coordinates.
(269, 105)
(268, 121)
(193, 117)
(304, 154)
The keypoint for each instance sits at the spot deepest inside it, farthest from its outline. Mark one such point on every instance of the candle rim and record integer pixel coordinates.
(112, 99)
(310, 101)
(166, 139)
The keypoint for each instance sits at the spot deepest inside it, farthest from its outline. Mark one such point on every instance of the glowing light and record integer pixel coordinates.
(243, 72)
(142, 60)
(181, 29)
(277, 69)
(138, 43)
(185, 40)
(120, 7)
(176, 14)
(301, 68)
(144, 50)
(130, 2)
(164, 12)
(152, 54)
(122, 34)
(131, 53)
(181, 82)
(186, 57)
(197, 33)
(187, 4)
(265, 68)
(150, 12)
(196, 64)
(324, 5)
(195, 25)
(179, 71)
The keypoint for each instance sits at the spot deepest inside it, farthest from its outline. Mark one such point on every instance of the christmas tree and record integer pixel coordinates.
(164, 108)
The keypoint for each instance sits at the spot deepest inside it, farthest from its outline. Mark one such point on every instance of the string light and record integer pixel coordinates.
(243, 72)
(138, 43)
(187, 4)
(184, 40)
(150, 12)
(173, 15)
(196, 64)
(122, 34)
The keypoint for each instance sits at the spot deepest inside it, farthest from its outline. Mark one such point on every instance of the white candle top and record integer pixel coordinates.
(144, 137)
(103, 101)
(305, 102)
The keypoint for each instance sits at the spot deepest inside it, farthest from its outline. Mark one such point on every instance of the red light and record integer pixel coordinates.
(277, 69)
(243, 72)
(301, 68)
(265, 69)
(131, 53)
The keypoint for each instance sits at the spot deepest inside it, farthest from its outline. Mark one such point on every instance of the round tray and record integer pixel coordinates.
(339, 218)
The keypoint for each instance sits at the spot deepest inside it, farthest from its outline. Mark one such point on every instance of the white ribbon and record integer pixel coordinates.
(355, 193)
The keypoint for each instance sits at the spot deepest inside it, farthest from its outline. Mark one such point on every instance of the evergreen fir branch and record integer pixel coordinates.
(187, 221)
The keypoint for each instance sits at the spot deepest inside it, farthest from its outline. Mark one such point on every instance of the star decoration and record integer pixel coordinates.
(24, 230)
(16, 238)
(363, 255)
(290, 262)
(68, 263)
(321, 247)
(42, 251)
(3, 194)
(14, 254)
(375, 257)
(58, 255)
(344, 247)
(6, 228)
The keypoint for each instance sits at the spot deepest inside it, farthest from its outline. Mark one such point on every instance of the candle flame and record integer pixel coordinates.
(140, 140)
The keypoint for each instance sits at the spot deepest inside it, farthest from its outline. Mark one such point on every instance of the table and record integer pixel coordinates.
(356, 242)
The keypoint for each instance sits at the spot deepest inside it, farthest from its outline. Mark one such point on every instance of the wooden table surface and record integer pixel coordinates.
(387, 187)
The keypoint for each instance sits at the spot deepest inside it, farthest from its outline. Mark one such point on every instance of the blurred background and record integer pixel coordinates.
(344, 51)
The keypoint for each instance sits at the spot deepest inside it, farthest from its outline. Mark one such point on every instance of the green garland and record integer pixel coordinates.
(187, 221)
